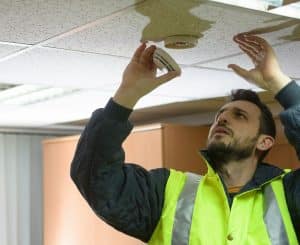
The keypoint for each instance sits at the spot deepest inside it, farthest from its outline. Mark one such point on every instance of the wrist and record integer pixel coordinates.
(127, 99)
(279, 82)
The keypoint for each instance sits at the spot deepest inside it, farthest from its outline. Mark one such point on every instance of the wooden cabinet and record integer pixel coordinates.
(166, 145)
(67, 217)
(282, 154)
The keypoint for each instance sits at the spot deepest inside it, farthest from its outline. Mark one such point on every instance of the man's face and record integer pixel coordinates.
(234, 133)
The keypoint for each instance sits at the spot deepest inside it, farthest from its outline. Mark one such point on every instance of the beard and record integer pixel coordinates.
(220, 153)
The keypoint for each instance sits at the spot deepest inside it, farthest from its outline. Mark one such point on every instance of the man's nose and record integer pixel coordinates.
(222, 118)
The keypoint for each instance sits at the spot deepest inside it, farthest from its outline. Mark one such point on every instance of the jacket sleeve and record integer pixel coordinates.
(289, 98)
(126, 196)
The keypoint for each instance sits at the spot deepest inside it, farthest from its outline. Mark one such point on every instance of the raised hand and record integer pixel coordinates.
(139, 77)
(266, 73)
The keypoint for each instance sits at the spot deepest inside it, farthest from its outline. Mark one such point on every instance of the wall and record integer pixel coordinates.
(67, 217)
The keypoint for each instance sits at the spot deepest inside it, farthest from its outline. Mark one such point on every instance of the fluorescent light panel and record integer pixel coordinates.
(29, 94)
(290, 10)
(262, 5)
(18, 91)
(253, 4)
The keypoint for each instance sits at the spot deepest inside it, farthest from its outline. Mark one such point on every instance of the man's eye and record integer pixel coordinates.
(240, 115)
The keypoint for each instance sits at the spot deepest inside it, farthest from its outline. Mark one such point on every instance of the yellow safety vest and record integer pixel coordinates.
(196, 212)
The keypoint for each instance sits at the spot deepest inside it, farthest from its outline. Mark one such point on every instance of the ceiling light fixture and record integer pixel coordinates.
(30, 94)
(19, 90)
(254, 4)
(280, 7)
(291, 10)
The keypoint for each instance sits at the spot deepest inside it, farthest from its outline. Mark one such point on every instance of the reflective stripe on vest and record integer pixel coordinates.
(273, 221)
(185, 206)
(184, 210)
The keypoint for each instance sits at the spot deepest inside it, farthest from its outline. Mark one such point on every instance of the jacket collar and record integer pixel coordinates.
(262, 175)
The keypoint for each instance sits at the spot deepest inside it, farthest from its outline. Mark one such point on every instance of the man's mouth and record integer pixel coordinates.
(219, 132)
(222, 130)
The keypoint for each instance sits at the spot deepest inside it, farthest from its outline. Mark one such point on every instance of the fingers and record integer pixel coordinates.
(144, 55)
(255, 47)
(239, 71)
(137, 54)
(252, 41)
(262, 43)
(252, 55)
(249, 43)
(147, 56)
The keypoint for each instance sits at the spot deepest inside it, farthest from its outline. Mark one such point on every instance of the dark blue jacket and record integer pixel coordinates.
(130, 198)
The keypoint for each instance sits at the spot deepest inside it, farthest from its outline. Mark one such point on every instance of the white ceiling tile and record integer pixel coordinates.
(121, 34)
(288, 55)
(209, 84)
(6, 49)
(94, 54)
(218, 41)
(193, 84)
(62, 68)
(75, 107)
(197, 83)
(33, 21)
(156, 99)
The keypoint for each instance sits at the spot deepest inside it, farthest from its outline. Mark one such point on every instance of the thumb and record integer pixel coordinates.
(167, 77)
(239, 70)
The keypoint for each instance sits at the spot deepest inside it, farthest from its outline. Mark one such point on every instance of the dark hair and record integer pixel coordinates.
(267, 123)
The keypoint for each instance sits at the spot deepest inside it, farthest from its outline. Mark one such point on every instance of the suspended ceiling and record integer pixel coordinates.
(83, 47)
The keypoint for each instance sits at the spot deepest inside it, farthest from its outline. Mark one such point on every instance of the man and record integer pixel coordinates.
(239, 201)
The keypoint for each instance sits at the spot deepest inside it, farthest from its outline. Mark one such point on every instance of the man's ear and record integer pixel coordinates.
(265, 142)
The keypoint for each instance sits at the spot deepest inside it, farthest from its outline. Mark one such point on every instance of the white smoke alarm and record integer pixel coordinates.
(164, 61)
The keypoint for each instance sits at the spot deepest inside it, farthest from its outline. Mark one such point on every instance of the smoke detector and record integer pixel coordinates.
(181, 41)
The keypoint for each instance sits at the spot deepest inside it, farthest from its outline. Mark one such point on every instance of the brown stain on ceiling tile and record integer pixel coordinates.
(172, 18)
(171, 21)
